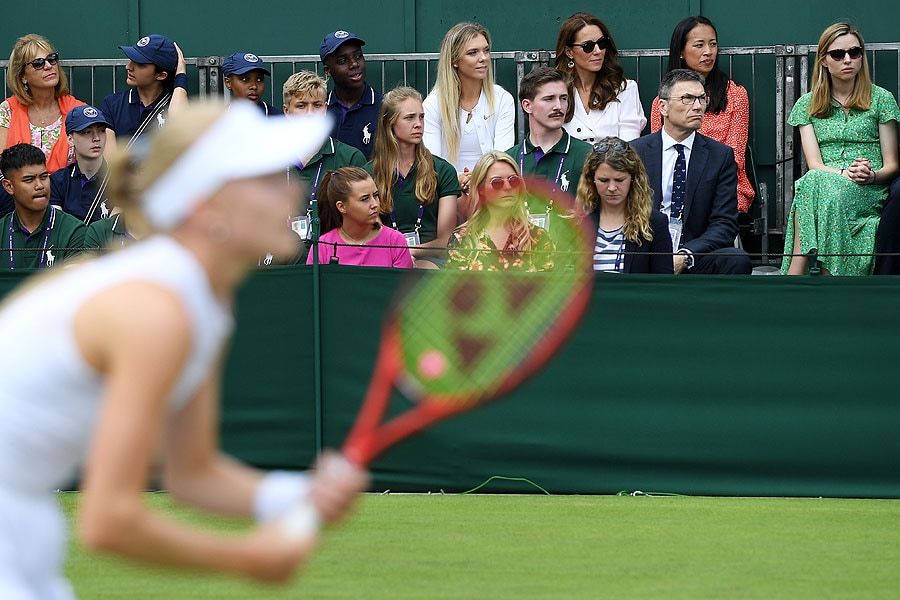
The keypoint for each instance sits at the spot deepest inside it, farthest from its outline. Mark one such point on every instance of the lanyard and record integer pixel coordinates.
(313, 190)
(559, 169)
(418, 218)
(47, 231)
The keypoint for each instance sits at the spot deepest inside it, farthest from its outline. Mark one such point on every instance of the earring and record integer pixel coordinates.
(219, 232)
(571, 63)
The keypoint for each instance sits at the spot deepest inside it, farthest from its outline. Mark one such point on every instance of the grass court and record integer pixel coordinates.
(535, 546)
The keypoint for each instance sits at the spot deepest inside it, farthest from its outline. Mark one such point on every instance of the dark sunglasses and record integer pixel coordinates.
(854, 52)
(498, 183)
(588, 46)
(38, 63)
(615, 145)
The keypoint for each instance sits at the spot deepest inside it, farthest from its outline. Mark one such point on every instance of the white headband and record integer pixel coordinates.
(242, 143)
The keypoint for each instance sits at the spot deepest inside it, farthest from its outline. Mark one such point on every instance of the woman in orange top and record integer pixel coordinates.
(35, 113)
(695, 46)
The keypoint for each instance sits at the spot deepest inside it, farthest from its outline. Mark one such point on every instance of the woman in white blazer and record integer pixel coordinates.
(466, 114)
(604, 103)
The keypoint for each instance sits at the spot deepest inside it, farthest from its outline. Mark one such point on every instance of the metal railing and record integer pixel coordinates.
(774, 76)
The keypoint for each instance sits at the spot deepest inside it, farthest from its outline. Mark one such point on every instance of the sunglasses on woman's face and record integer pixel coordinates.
(39, 63)
(838, 54)
(498, 183)
(589, 45)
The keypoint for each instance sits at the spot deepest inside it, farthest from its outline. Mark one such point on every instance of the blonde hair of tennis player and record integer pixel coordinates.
(499, 213)
(140, 358)
(401, 111)
(623, 160)
(451, 86)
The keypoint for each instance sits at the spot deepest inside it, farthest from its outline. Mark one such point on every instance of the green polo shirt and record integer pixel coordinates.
(65, 239)
(332, 155)
(571, 152)
(106, 233)
(406, 204)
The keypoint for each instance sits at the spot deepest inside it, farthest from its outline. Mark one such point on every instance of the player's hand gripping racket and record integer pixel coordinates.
(456, 339)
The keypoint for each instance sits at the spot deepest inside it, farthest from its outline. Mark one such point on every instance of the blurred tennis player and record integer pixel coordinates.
(107, 361)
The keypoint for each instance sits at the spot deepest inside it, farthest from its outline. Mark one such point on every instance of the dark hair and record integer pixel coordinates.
(168, 83)
(674, 76)
(335, 187)
(716, 80)
(536, 78)
(611, 78)
(19, 156)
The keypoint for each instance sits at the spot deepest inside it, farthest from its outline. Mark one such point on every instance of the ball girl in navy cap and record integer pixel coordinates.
(245, 77)
(157, 77)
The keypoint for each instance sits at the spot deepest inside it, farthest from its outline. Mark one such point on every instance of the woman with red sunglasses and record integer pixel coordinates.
(35, 113)
(848, 129)
(499, 235)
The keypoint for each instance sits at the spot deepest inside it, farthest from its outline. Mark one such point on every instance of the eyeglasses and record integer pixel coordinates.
(588, 46)
(498, 183)
(688, 99)
(616, 145)
(38, 63)
(838, 54)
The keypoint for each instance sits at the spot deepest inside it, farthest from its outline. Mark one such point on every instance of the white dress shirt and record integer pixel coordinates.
(623, 119)
(495, 131)
(669, 154)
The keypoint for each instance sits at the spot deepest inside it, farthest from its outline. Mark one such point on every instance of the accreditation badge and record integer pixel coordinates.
(675, 227)
(300, 226)
(412, 238)
(541, 220)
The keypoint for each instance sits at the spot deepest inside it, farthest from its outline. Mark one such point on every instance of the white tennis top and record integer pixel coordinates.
(49, 396)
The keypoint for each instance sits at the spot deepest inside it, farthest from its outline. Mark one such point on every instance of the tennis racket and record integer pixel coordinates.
(454, 339)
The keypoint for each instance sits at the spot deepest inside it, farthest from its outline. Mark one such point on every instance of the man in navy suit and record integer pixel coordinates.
(694, 181)
(887, 238)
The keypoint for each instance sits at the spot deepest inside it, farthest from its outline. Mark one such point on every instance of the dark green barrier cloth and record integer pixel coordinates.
(738, 386)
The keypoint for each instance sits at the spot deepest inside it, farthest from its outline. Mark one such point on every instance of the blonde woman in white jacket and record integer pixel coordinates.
(466, 114)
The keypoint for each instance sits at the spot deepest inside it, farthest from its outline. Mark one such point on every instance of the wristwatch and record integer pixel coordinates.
(688, 258)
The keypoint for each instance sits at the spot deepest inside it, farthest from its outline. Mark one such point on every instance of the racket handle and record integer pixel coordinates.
(301, 522)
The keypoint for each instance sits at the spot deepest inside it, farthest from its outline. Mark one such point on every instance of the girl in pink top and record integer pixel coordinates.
(348, 205)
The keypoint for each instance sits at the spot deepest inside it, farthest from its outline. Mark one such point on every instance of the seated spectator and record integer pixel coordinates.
(694, 181)
(499, 236)
(418, 190)
(695, 46)
(603, 101)
(305, 93)
(245, 77)
(35, 235)
(353, 103)
(848, 129)
(466, 114)
(354, 234)
(157, 76)
(632, 235)
(549, 152)
(35, 113)
(887, 238)
(75, 189)
(108, 233)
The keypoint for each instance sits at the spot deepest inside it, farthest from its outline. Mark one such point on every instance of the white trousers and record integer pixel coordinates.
(32, 548)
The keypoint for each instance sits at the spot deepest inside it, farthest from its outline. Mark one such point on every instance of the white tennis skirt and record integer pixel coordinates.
(32, 548)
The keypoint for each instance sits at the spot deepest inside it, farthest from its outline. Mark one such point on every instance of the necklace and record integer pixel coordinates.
(42, 120)
(843, 104)
(352, 239)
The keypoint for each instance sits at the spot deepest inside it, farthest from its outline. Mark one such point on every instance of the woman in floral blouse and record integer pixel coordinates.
(499, 236)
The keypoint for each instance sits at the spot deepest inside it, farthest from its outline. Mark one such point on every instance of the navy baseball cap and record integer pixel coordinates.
(154, 49)
(82, 117)
(335, 39)
(242, 62)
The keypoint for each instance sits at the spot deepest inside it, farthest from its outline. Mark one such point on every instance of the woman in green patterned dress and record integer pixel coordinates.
(848, 129)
